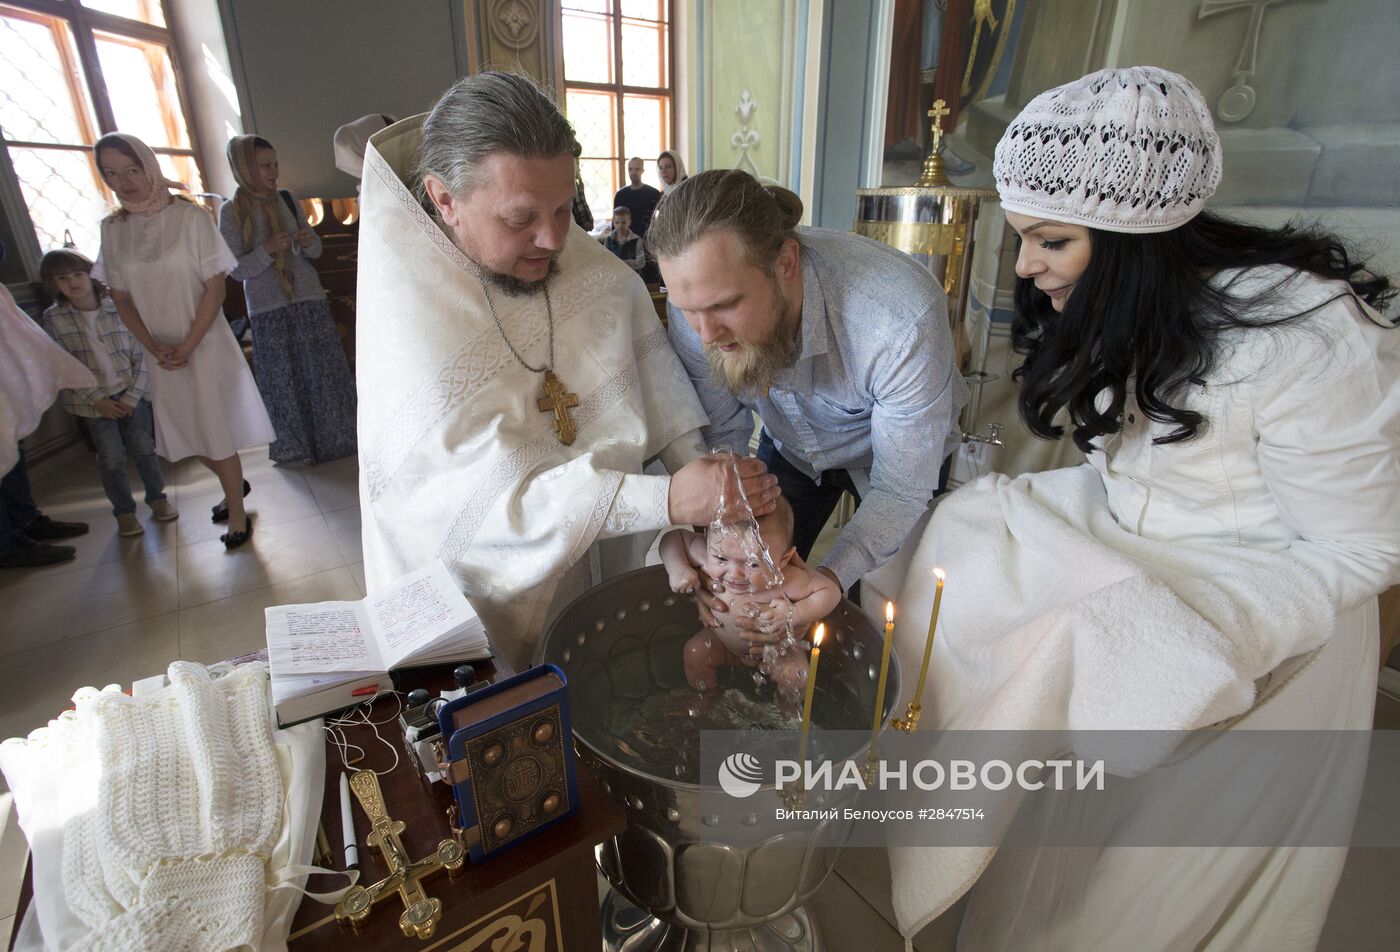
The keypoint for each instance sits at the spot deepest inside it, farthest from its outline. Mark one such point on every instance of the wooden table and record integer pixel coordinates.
(545, 889)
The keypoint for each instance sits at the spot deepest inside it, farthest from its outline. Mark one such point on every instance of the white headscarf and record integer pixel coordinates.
(681, 175)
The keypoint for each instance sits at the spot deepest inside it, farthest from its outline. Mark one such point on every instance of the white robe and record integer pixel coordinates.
(33, 368)
(456, 460)
(1230, 579)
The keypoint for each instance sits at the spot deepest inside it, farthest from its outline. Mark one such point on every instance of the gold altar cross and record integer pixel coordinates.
(938, 113)
(421, 914)
(558, 400)
(934, 175)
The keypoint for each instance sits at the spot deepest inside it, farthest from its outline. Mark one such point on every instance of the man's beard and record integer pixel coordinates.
(751, 370)
(512, 286)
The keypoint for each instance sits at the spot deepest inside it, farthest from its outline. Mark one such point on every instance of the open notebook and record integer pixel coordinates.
(329, 655)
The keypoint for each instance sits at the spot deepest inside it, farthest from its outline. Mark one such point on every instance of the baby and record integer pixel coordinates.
(733, 558)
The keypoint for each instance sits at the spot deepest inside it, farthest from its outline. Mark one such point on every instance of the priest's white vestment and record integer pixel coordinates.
(456, 459)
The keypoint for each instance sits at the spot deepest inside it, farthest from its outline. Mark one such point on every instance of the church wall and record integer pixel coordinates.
(1319, 62)
(791, 91)
(209, 85)
(307, 67)
(1326, 114)
(749, 84)
(851, 101)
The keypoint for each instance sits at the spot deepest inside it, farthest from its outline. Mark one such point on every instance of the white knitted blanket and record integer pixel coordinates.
(182, 811)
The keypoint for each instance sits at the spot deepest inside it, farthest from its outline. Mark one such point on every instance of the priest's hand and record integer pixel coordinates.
(699, 486)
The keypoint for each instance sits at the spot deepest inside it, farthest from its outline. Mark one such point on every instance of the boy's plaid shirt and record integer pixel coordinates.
(62, 322)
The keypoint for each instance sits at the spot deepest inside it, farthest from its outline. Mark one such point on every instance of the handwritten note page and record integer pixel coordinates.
(418, 612)
(318, 639)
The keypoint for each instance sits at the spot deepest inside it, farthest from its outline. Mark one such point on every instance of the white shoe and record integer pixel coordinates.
(164, 511)
(129, 525)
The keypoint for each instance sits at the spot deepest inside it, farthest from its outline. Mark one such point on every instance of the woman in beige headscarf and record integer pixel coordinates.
(300, 365)
(165, 264)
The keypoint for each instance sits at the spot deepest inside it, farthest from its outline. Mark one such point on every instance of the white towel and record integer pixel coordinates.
(1056, 618)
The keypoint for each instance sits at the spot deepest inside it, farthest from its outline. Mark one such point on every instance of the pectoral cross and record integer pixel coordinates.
(558, 400)
(421, 914)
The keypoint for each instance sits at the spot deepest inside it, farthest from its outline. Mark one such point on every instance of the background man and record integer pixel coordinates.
(513, 376)
(839, 343)
(639, 198)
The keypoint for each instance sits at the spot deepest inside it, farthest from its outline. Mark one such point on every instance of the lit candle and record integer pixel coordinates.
(807, 702)
(928, 645)
(884, 672)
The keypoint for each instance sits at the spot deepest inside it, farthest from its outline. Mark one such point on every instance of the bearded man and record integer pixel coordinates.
(839, 343)
(513, 377)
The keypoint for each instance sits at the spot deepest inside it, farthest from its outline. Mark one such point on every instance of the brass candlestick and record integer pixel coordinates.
(910, 720)
(421, 914)
(794, 796)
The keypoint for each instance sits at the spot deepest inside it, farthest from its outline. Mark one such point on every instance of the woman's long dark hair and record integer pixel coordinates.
(1145, 309)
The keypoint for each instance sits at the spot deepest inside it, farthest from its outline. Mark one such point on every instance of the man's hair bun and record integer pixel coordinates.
(788, 203)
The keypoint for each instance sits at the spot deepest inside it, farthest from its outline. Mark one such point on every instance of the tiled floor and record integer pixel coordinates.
(126, 607)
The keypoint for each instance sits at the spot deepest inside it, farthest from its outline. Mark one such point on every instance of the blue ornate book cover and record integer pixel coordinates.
(510, 759)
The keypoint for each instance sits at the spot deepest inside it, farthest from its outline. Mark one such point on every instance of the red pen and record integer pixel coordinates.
(365, 691)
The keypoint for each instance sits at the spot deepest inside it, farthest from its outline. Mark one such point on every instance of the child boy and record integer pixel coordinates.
(623, 242)
(85, 323)
(764, 585)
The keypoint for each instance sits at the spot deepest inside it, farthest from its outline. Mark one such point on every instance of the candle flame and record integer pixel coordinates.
(940, 574)
(817, 638)
(889, 611)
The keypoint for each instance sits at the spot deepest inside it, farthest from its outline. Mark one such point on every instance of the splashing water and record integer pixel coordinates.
(735, 519)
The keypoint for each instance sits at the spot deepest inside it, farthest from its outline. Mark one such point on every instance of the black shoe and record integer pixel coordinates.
(220, 512)
(26, 553)
(233, 540)
(43, 529)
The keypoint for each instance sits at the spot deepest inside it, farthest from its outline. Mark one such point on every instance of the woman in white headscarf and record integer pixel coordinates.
(165, 263)
(671, 169)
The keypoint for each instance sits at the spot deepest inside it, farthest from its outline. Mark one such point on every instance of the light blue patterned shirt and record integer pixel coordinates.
(873, 391)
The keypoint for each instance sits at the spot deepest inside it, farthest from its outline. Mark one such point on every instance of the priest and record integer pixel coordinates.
(513, 376)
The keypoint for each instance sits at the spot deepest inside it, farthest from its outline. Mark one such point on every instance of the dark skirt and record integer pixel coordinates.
(305, 383)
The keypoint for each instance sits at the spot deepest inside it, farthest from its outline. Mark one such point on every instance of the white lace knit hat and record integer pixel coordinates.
(1130, 150)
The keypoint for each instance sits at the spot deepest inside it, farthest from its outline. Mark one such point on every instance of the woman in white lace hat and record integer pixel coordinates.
(1233, 386)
